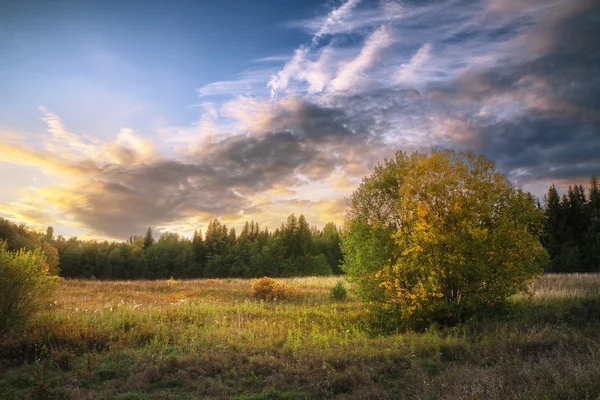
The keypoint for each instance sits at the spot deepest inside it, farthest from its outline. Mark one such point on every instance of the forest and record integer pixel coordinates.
(294, 249)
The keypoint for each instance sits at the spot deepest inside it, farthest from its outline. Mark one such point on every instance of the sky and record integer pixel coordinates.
(116, 116)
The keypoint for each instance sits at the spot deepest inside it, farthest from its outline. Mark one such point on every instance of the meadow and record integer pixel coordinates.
(210, 339)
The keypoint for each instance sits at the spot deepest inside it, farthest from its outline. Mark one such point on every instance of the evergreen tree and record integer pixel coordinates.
(199, 249)
(594, 199)
(552, 238)
(591, 240)
(328, 242)
(232, 236)
(304, 237)
(148, 238)
(49, 235)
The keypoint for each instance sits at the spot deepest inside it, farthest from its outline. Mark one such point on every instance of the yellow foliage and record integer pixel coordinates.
(464, 240)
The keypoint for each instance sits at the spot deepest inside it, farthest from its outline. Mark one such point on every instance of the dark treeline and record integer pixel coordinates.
(294, 249)
(572, 234)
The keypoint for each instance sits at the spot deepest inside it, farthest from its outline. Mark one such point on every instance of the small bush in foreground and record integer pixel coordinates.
(338, 292)
(26, 286)
(269, 289)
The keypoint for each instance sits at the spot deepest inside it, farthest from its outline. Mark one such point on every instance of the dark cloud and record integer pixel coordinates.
(542, 104)
(538, 147)
(217, 181)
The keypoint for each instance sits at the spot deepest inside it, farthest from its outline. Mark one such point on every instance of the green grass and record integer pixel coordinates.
(210, 339)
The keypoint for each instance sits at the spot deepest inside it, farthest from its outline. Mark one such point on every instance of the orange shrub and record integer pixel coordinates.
(269, 289)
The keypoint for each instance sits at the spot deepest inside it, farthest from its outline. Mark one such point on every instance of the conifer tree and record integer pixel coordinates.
(148, 238)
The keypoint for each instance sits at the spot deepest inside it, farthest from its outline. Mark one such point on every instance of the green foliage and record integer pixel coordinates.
(338, 291)
(18, 236)
(26, 286)
(328, 243)
(51, 256)
(440, 237)
(295, 249)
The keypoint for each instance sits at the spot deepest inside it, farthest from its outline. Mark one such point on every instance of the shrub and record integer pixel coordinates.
(440, 237)
(338, 292)
(26, 286)
(269, 289)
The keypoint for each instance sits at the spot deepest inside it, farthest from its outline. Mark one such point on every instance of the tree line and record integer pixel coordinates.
(571, 236)
(293, 249)
(572, 230)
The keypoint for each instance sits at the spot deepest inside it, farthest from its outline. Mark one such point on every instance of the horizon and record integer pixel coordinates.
(116, 117)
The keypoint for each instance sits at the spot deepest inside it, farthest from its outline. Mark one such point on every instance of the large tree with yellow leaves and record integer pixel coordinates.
(439, 237)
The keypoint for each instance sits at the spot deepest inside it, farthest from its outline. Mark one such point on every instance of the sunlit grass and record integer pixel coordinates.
(567, 285)
(211, 339)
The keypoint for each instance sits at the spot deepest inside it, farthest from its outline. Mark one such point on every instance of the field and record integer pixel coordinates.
(210, 339)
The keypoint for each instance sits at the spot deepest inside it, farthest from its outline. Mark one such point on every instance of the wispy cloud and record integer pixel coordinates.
(291, 68)
(227, 88)
(272, 59)
(351, 74)
(348, 19)
(409, 72)
(299, 67)
(335, 18)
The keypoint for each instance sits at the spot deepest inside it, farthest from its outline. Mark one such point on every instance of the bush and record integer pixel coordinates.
(338, 292)
(269, 289)
(440, 237)
(26, 286)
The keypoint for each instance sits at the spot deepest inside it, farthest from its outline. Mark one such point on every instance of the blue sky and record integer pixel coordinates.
(119, 115)
(136, 61)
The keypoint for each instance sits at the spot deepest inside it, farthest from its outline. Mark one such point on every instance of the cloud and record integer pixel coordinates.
(121, 186)
(348, 19)
(226, 88)
(294, 66)
(301, 69)
(409, 73)
(351, 74)
(10, 136)
(335, 18)
(272, 59)
(537, 113)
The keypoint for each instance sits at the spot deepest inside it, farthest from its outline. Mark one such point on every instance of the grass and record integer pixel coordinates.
(210, 339)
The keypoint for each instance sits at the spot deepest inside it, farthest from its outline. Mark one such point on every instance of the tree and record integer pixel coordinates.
(592, 237)
(439, 237)
(148, 239)
(52, 259)
(594, 198)
(328, 243)
(304, 238)
(49, 235)
(198, 246)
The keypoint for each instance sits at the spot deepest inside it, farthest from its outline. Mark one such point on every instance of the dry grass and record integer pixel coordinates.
(567, 285)
(211, 339)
